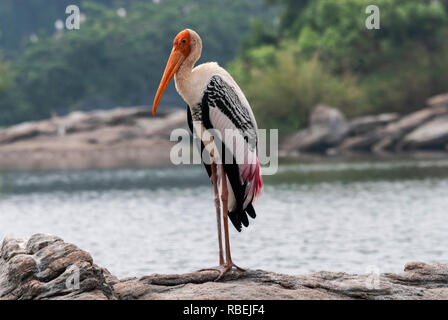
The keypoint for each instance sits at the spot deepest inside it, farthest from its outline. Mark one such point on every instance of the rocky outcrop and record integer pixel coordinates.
(73, 122)
(46, 267)
(363, 125)
(328, 127)
(123, 137)
(433, 133)
(424, 129)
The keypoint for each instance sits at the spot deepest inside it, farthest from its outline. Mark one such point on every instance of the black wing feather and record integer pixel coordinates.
(190, 125)
(219, 94)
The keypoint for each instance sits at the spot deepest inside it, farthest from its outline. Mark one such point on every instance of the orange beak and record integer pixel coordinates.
(174, 62)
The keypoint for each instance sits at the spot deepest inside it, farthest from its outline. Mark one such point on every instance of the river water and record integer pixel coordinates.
(356, 217)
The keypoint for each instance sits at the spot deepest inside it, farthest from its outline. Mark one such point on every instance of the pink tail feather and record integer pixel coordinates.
(251, 174)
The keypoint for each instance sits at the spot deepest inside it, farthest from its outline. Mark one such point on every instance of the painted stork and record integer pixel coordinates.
(216, 102)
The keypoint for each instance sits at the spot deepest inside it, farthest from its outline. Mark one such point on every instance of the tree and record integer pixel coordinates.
(118, 60)
(5, 78)
(290, 14)
(395, 68)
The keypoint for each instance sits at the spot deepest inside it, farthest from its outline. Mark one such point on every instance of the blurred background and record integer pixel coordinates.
(362, 117)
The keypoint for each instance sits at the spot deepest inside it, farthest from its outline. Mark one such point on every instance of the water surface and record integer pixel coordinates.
(338, 216)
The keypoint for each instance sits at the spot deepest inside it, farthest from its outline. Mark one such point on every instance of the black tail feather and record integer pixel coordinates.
(251, 211)
(244, 219)
(239, 218)
(236, 220)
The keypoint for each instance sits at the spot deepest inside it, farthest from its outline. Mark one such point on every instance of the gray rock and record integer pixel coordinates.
(41, 267)
(45, 267)
(440, 100)
(389, 137)
(328, 127)
(79, 122)
(431, 135)
(363, 125)
(123, 137)
(380, 133)
(360, 143)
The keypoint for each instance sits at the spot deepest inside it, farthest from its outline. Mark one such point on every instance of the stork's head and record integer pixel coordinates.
(187, 47)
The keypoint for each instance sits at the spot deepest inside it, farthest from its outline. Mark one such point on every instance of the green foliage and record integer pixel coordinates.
(115, 60)
(289, 14)
(336, 29)
(291, 86)
(5, 78)
(395, 68)
(395, 64)
(314, 51)
(19, 19)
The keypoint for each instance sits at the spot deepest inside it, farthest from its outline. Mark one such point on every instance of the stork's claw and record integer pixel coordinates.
(223, 269)
(217, 268)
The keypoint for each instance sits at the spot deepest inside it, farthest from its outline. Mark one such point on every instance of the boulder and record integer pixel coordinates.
(360, 143)
(414, 120)
(46, 267)
(431, 135)
(440, 100)
(367, 124)
(81, 122)
(27, 130)
(328, 127)
(389, 136)
(122, 137)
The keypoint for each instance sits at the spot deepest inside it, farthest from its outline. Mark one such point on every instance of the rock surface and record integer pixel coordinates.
(422, 129)
(366, 124)
(45, 267)
(122, 137)
(328, 127)
(432, 134)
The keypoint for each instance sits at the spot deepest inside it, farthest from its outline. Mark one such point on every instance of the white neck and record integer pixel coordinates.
(184, 71)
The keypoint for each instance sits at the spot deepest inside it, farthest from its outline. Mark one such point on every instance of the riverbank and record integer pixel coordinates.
(122, 137)
(46, 267)
(330, 133)
(134, 138)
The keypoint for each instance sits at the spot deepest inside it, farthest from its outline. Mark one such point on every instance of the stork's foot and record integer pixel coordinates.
(217, 268)
(223, 269)
(227, 268)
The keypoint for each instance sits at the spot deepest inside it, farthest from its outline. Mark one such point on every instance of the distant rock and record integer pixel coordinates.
(363, 142)
(46, 267)
(329, 133)
(367, 124)
(440, 100)
(390, 136)
(415, 119)
(75, 122)
(431, 135)
(328, 127)
(121, 137)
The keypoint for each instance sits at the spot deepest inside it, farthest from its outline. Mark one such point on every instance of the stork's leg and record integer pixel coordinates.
(224, 197)
(218, 211)
(218, 219)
